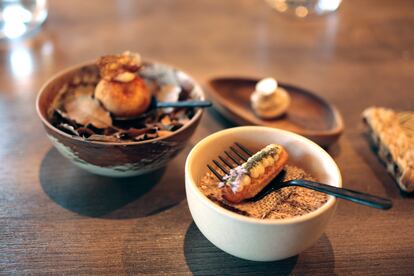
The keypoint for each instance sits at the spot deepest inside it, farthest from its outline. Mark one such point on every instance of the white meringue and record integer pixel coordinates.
(268, 100)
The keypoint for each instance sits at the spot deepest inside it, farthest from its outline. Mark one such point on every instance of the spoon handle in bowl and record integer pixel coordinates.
(184, 104)
(354, 196)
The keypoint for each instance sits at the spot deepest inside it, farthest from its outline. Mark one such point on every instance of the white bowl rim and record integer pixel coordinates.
(75, 67)
(234, 216)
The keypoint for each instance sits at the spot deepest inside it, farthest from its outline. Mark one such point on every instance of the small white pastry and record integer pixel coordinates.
(268, 100)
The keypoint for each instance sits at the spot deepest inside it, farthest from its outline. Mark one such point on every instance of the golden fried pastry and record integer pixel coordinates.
(124, 99)
(248, 179)
(393, 135)
(121, 90)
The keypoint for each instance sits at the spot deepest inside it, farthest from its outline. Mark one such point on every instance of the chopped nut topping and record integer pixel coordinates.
(119, 67)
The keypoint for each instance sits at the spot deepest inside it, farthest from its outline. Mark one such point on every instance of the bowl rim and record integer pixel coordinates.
(77, 66)
(234, 216)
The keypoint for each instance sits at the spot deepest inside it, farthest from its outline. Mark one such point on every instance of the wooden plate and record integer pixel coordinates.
(308, 114)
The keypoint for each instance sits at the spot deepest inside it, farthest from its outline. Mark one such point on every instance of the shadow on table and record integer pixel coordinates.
(224, 121)
(334, 150)
(203, 258)
(98, 196)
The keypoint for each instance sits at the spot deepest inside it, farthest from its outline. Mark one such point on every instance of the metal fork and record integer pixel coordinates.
(239, 154)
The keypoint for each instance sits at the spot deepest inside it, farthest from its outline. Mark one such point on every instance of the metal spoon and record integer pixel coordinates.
(155, 104)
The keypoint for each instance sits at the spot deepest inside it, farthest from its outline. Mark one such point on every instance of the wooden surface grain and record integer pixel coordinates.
(57, 219)
(307, 114)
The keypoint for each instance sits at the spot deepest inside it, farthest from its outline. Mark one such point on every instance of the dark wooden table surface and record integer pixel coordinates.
(56, 218)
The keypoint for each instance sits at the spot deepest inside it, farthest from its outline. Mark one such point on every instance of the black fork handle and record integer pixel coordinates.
(351, 195)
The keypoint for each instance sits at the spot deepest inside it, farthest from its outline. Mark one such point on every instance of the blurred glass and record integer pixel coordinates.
(21, 17)
(303, 8)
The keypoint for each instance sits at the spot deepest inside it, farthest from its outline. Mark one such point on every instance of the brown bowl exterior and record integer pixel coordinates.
(112, 159)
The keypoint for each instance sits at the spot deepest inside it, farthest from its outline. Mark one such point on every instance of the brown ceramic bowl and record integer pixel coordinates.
(114, 159)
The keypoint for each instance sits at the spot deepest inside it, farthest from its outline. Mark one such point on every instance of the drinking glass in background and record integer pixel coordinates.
(21, 17)
(303, 8)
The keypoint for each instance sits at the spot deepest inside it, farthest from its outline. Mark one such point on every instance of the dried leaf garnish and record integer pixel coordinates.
(75, 110)
(85, 132)
(133, 132)
(82, 108)
(103, 138)
(168, 93)
(68, 128)
(163, 133)
(160, 73)
(166, 120)
(62, 117)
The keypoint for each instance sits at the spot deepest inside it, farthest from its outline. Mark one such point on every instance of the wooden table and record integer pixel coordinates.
(56, 218)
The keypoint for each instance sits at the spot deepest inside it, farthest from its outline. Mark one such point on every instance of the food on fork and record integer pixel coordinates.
(248, 179)
(121, 90)
(269, 100)
(392, 133)
(245, 181)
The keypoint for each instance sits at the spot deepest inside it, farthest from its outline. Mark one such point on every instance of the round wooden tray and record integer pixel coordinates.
(308, 114)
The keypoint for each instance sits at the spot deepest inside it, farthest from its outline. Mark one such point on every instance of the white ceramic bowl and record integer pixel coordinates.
(251, 238)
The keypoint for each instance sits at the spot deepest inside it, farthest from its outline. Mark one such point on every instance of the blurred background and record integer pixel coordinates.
(332, 54)
(355, 54)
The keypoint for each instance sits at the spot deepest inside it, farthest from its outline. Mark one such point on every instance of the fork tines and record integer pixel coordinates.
(237, 155)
